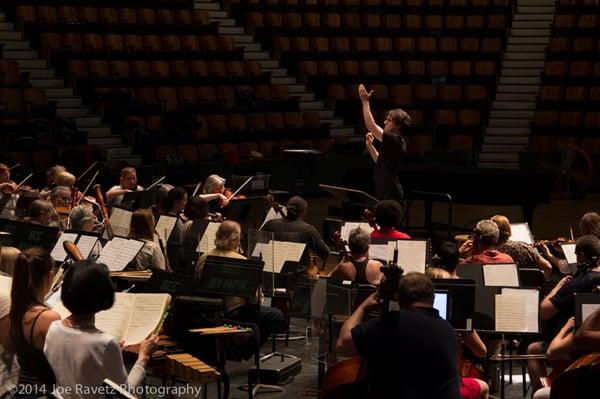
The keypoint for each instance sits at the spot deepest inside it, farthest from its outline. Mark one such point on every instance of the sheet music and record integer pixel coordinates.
(120, 221)
(164, 226)
(378, 251)
(86, 244)
(53, 299)
(347, 227)
(501, 275)
(521, 232)
(276, 253)
(517, 310)
(412, 255)
(118, 252)
(569, 251)
(587, 309)
(5, 285)
(271, 215)
(58, 252)
(148, 310)
(207, 242)
(114, 320)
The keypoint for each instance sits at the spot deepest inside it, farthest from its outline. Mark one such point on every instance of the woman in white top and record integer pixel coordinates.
(127, 183)
(87, 290)
(142, 228)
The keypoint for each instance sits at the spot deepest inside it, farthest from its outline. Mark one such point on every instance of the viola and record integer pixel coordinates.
(340, 245)
(100, 199)
(230, 194)
(369, 217)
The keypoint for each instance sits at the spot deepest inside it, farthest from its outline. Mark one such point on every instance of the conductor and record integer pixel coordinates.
(393, 147)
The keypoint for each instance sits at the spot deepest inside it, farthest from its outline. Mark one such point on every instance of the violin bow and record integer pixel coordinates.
(85, 172)
(88, 187)
(15, 166)
(242, 186)
(24, 180)
(196, 189)
(156, 182)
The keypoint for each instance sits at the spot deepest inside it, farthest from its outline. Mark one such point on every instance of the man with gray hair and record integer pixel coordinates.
(485, 238)
(358, 267)
(81, 218)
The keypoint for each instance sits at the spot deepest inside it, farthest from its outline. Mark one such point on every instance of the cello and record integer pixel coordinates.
(344, 378)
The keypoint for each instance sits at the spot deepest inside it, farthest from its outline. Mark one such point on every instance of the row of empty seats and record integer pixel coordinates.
(468, 4)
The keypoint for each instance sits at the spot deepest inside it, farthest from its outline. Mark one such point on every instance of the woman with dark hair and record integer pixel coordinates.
(196, 209)
(30, 318)
(174, 204)
(294, 228)
(87, 290)
(142, 228)
(447, 258)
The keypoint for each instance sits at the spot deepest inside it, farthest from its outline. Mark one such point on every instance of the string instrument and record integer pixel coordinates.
(369, 217)
(15, 188)
(344, 378)
(100, 199)
(340, 245)
(233, 195)
(278, 208)
(578, 379)
(554, 246)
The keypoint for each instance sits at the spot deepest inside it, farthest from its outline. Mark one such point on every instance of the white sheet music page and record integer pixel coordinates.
(118, 252)
(271, 215)
(276, 253)
(378, 251)
(208, 239)
(164, 227)
(263, 250)
(86, 244)
(569, 251)
(347, 227)
(501, 275)
(58, 252)
(5, 285)
(521, 232)
(517, 310)
(587, 309)
(412, 255)
(120, 220)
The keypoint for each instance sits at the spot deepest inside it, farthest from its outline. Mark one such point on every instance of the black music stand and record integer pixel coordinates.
(26, 235)
(461, 298)
(138, 199)
(354, 202)
(247, 212)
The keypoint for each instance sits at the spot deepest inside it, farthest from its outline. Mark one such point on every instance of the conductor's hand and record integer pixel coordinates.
(363, 94)
(369, 139)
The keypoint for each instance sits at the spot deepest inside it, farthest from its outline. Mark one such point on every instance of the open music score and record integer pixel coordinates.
(272, 215)
(164, 226)
(133, 317)
(207, 242)
(84, 242)
(118, 252)
(501, 275)
(347, 227)
(276, 253)
(517, 310)
(569, 251)
(5, 284)
(412, 254)
(521, 232)
(120, 221)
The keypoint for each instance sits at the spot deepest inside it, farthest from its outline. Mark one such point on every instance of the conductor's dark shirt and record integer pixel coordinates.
(387, 167)
(411, 355)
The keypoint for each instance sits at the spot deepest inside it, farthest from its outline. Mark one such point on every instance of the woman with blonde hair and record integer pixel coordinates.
(8, 259)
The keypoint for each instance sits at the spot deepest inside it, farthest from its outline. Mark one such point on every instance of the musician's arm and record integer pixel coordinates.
(548, 307)
(587, 337)
(367, 115)
(115, 192)
(562, 344)
(346, 344)
(211, 197)
(544, 266)
(344, 271)
(474, 343)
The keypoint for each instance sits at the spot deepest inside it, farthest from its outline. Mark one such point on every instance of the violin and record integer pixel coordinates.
(369, 217)
(278, 208)
(582, 374)
(100, 198)
(554, 246)
(340, 245)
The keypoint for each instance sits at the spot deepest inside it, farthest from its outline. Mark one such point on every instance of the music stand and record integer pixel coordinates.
(350, 196)
(138, 199)
(461, 301)
(247, 212)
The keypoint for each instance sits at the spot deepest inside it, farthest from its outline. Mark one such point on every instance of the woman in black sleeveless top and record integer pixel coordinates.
(358, 267)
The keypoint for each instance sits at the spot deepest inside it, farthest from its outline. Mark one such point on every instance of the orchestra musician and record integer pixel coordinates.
(559, 304)
(447, 258)
(87, 290)
(358, 267)
(127, 183)
(227, 243)
(142, 228)
(8, 193)
(213, 192)
(51, 176)
(485, 238)
(42, 212)
(159, 197)
(387, 217)
(30, 319)
(401, 345)
(8, 260)
(9, 368)
(523, 254)
(82, 218)
(293, 224)
(174, 205)
(393, 147)
(67, 179)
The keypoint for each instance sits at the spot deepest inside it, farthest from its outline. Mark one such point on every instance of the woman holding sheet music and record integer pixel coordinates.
(142, 228)
(87, 290)
(30, 319)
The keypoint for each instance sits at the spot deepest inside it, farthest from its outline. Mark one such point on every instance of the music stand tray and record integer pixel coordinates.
(349, 195)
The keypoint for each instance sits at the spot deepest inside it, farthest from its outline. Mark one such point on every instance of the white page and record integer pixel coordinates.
(347, 227)
(521, 232)
(261, 249)
(164, 227)
(378, 251)
(569, 251)
(207, 242)
(5, 284)
(517, 310)
(86, 244)
(114, 320)
(118, 252)
(501, 275)
(391, 246)
(271, 215)
(276, 253)
(412, 255)
(58, 252)
(120, 221)
(148, 310)
(53, 298)
(587, 309)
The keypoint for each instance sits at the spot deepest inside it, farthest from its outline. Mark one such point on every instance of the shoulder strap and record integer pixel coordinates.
(33, 325)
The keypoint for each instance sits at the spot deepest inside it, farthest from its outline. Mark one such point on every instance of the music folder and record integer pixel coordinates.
(349, 195)
(521, 232)
(134, 200)
(570, 255)
(585, 305)
(229, 276)
(84, 241)
(26, 235)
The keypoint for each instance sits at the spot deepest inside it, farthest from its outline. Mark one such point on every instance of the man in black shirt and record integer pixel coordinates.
(393, 146)
(411, 352)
